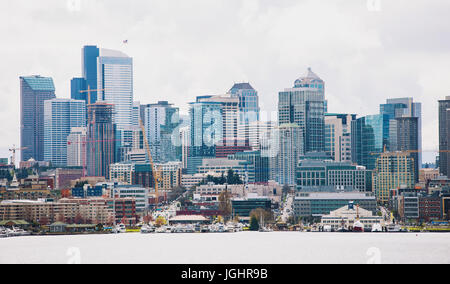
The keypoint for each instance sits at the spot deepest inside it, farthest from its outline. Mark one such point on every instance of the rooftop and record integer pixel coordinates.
(38, 83)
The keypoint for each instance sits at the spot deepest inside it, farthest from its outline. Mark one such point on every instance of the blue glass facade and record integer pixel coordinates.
(206, 128)
(370, 136)
(89, 68)
(76, 86)
(34, 90)
(60, 116)
(248, 102)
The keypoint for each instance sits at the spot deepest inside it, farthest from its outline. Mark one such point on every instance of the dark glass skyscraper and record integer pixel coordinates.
(444, 133)
(100, 140)
(76, 86)
(34, 90)
(89, 68)
(403, 108)
(407, 133)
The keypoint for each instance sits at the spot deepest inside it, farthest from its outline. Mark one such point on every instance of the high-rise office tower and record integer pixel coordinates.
(89, 56)
(230, 117)
(34, 90)
(60, 116)
(286, 153)
(248, 102)
(392, 170)
(115, 79)
(254, 132)
(444, 133)
(304, 106)
(338, 136)
(370, 138)
(407, 133)
(402, 108)
(136, 114)
(161, 122)
(101, 139)
(77, 86)
(206, 130)
(76, 147)
(185, 135)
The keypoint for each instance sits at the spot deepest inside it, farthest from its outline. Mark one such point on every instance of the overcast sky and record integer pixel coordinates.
(365, 52)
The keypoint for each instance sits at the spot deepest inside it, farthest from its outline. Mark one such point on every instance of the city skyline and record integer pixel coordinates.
(423, 79)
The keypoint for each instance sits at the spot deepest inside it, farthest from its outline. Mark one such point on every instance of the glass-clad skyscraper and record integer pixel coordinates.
(60, 116)
(34, 90)
(398, 109)
(100, 140)
(161, 122)
(89, 68)
(115, 78)
(304, 105)
(444, 135)
(370, 137)
(77, 86)
(248, 102)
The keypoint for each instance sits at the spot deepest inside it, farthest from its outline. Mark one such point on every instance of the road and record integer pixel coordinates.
(288, 208)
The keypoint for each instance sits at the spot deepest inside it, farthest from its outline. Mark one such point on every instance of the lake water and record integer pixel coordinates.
(237, 248)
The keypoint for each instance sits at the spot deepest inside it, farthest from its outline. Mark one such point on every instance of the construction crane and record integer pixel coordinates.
(89, 90)
(408, 151)
(13, 150)
(155, 172)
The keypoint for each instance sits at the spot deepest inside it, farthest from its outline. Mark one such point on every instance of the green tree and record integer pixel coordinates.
(254, 224)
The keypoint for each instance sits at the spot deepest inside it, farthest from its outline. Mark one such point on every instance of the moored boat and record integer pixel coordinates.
(358, 227)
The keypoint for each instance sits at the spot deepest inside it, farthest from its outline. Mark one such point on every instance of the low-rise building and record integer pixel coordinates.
(316, 204)
(190, 181)
(242, 207)
(346, 216)
(140, 194)
(318, 173)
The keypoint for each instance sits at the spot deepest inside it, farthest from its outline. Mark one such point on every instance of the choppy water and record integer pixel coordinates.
(238, 248)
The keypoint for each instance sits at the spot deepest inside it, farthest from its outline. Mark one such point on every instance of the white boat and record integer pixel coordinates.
(147, 229)
(189, 229)
(161, 230)
(358, 227)
(120, 229)
(20, 232)
(394, 228)
(327, 228)
(230, 228)
(3, 233)
(377, 228)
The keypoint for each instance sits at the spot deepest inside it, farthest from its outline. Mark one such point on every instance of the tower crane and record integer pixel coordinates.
(13, 150)
(89, 90)
(155, 172)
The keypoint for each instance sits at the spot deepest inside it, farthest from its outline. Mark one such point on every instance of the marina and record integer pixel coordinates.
(237, 248)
